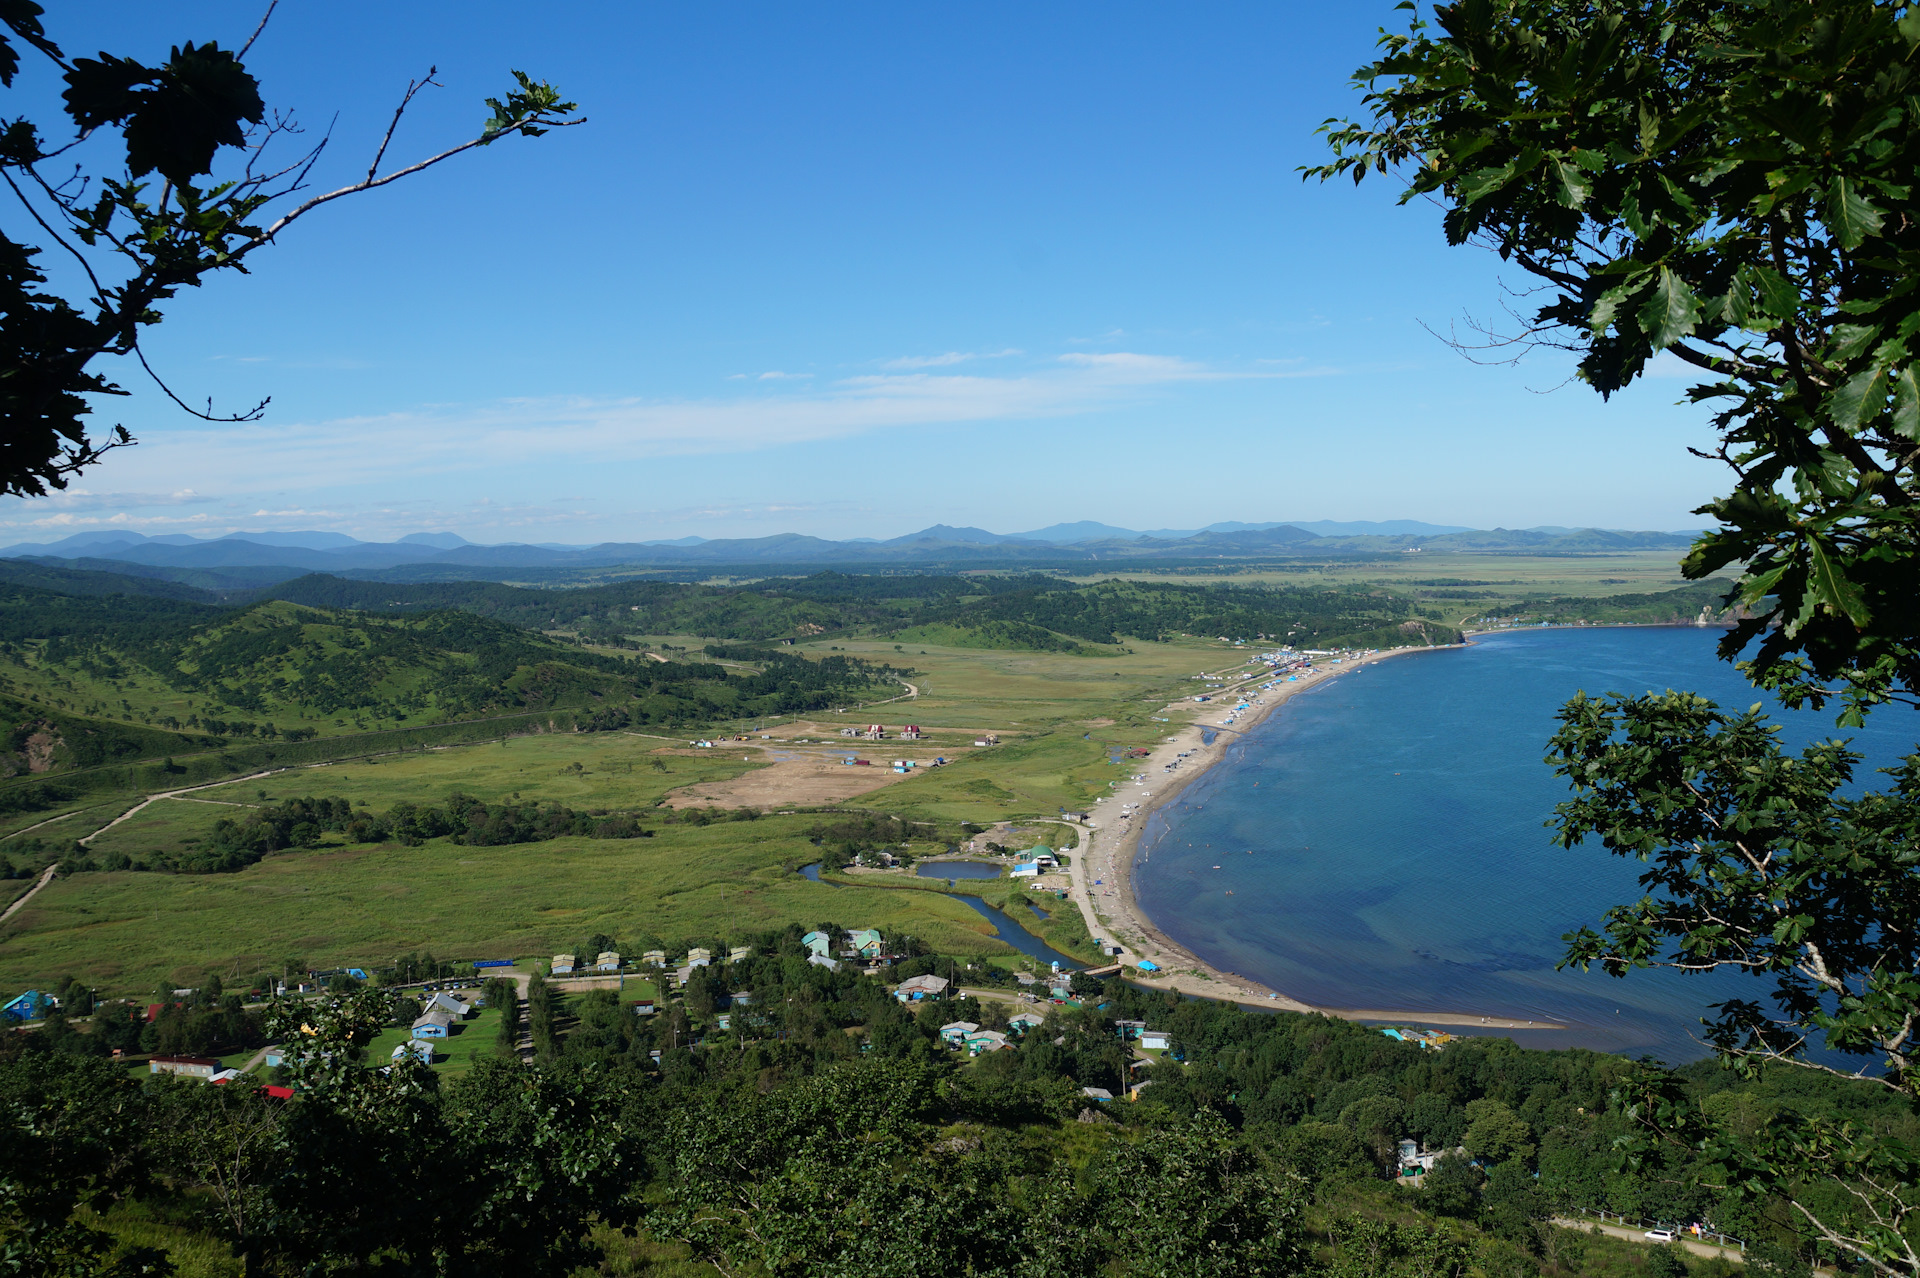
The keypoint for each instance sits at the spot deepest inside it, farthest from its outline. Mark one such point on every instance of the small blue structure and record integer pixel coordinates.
(29, 1006)
(1148, 965)
(418, 1047)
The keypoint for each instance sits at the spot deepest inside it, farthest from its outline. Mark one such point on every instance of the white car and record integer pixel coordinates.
(1660, 1235)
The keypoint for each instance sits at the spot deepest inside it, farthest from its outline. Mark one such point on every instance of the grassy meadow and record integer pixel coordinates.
(127, 932)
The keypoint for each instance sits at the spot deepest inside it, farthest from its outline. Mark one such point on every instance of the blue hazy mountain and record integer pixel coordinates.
(257, 556)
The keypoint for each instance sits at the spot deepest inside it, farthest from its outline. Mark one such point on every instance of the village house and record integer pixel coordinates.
(28, 1006)
(917, 988)
(739, 953)
(201, 1067)
(1100, 1094)
(981, 1041)
(654, 958)
(450, 1005)
(956, 1033)
(911, 732)
(417, 1047)
(821, 960)
(865, 942)
(819, 942)
(433, 1024)
(1155, 1041)
(1021, 1022)
(607, 961)
(562, 965)
(699, 958)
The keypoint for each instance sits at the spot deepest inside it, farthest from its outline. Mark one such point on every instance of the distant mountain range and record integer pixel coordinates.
(257, 558)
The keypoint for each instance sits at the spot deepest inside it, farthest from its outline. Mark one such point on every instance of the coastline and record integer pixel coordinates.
(1109, 843)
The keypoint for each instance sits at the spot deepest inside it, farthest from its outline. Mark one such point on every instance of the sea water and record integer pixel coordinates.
(1396, 820)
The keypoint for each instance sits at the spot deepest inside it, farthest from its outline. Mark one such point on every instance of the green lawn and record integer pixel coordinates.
(451, 1055)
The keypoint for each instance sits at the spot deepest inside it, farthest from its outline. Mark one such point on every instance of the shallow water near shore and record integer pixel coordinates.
(1393, 853)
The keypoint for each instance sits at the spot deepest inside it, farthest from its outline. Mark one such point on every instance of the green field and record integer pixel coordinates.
(126, 931)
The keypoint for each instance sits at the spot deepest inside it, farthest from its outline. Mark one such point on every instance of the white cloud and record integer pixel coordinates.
(947, 360)
(545, 434)
(777, 376)
(82, 499)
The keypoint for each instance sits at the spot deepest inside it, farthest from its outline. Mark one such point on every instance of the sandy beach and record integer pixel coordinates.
(1110, 837)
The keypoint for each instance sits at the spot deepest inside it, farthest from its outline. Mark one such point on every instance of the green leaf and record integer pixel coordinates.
(1829, 584)
(1859, 398)
(1575, 185)
(1670, 312)
(1851, 339)
(1906, 402)
(1909, 26)
(1850, 216)
(1782, 300)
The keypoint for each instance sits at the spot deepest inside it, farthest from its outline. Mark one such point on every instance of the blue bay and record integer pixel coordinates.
(1384, 839)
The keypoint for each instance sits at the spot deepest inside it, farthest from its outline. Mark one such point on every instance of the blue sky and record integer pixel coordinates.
(847, 270)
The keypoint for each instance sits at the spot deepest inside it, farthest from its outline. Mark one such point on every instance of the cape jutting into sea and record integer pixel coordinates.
(1384, 839)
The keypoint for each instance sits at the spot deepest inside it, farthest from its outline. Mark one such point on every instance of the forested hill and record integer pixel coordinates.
(1027, 611)
(89, 678)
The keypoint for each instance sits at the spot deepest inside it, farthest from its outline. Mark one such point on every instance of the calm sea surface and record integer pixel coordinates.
(1384, 839)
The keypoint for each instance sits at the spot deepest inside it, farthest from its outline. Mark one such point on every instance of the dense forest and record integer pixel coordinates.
(1032, 611)
(1021, 611)
(830, 1130)
(91, 679)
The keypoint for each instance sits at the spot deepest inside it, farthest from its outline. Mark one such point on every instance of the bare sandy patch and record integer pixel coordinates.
(804, 778)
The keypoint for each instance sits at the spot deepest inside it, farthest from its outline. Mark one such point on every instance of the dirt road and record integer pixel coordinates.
(46, 877)
(174, 794)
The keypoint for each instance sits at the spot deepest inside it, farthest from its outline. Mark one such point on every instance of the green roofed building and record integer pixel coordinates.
(866, 942)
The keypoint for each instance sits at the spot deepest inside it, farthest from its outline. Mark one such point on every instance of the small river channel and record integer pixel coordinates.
(1005, 928)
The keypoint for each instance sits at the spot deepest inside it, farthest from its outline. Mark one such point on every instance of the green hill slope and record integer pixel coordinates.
(138, 677)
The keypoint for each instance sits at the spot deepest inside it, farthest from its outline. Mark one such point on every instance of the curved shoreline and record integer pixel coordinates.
(1109, 845)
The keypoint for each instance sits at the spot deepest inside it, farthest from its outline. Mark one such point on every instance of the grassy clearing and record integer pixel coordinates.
(126, 932)
(613, 770)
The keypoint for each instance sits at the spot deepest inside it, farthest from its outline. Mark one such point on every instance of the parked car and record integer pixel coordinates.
(1660, 1235)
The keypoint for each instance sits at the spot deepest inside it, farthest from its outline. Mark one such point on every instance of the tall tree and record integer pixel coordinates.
(1728, 184)
(180, 176)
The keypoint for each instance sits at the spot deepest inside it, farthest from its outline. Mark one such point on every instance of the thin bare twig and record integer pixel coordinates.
(411, 169)
(241, 56)
(252, 415)
(406, 100)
